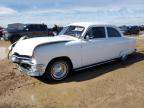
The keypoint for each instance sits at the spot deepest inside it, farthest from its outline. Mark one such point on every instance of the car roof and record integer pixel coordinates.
(87, 24)
(34, 24)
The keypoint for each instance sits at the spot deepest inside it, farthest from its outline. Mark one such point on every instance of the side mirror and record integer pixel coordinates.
(27, 29)
(87, 38)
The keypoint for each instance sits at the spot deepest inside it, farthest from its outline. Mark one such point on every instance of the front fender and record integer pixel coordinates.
(47, 52)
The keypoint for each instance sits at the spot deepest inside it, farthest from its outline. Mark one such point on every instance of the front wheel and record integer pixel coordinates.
(58, 70)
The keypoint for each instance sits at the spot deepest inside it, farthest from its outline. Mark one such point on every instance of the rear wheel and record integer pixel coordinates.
(58, 70)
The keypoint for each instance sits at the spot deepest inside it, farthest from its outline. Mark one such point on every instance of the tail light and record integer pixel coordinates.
(3, 32)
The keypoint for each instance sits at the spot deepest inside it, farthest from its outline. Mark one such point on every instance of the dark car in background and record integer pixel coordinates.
(15, 31)
(129, 30)
(141, 28)
(132, 30)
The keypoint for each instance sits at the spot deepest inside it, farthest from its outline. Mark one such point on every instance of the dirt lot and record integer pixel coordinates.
(113, 85)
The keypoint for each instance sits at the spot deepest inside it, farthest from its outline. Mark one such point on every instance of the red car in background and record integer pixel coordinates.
(1, 32)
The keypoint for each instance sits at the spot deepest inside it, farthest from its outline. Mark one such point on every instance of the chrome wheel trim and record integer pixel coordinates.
(59, 70)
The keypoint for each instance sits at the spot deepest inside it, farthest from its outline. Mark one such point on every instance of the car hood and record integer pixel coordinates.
(27, 46)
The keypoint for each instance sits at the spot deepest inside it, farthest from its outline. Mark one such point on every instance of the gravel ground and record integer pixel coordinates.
(113, 85)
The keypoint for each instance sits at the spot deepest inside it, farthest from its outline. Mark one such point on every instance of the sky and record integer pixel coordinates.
(62, 12)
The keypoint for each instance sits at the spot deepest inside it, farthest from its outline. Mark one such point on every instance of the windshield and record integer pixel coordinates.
(16, 27)
(75, 31)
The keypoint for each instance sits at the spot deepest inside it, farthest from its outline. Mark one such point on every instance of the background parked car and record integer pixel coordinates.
(141, 28)
(129, 30)
(56, 29)
(124, 28)
(1, 32)
(17, 30)
(132, 30)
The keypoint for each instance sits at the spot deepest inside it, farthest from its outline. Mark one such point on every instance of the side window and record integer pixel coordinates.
(31, 28)
(38, 28)
(43, 27)
(35, 27)
(112, 32)
(96, 32)
(28, 27)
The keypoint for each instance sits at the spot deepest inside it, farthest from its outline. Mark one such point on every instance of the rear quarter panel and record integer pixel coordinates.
(122, 45)
(128, 45)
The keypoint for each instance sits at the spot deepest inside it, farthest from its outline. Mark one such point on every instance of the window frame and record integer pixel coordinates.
(115, 29)
(96, 26)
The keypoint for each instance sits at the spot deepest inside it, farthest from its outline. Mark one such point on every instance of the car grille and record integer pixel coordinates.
(22, 56)
(22, 61)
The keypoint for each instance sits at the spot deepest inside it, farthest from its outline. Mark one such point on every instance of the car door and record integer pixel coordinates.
(94, 49)
(36, 30)
(41, 30)
(115, 42)
(30, 31)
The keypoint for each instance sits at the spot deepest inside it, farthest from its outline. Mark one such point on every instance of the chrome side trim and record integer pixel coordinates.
(23, 58)
(97, 64)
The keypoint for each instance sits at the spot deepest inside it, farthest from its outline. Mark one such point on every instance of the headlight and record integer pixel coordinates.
(14, 59)
(33, 60)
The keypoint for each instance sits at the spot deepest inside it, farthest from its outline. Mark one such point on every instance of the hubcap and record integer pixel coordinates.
(59, 70)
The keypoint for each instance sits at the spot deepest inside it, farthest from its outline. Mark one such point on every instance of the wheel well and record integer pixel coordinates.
(61, 58)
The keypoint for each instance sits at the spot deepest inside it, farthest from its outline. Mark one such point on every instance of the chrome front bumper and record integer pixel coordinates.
(36, 70)
(27, 66)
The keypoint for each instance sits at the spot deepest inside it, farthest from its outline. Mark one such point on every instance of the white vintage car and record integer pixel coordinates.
(78, 46)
